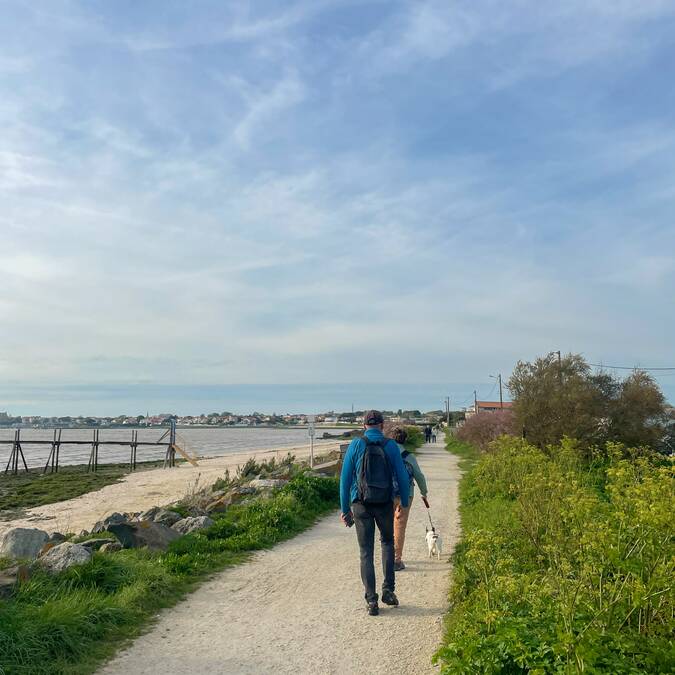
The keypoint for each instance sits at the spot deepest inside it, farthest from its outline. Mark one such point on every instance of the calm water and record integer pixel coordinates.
(200, 441)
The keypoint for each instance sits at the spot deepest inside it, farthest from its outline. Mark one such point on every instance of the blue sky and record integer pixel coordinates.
(214, 192)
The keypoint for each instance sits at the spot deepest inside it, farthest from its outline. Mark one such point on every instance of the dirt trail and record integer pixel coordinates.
(299, 607)
(143, 490)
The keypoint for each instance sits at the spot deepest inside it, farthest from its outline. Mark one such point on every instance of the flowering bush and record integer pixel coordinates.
(566, 566)
(480, 430)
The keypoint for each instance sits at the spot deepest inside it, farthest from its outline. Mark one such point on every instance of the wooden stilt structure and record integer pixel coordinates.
(17, 452)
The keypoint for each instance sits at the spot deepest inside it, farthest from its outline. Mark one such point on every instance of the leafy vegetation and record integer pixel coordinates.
(480, 430)
(556, 397)
(415, 437)
(566, 564)
(70, 622)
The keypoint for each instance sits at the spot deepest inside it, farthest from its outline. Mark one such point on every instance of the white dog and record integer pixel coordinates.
(434, 543)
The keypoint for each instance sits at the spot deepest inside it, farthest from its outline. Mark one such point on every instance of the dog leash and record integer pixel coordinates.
(426, 503)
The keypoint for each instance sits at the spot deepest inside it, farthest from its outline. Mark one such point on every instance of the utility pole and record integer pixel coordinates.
(559, 366)
(501, 398)
(447, 410)
(475, 401)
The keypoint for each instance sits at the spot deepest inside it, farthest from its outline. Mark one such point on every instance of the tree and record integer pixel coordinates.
(637, 416)
(555, 397)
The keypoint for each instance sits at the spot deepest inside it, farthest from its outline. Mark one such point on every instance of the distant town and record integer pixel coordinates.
(215, 419)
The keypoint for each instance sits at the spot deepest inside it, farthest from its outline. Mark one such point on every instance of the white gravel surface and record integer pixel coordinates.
(299, 607)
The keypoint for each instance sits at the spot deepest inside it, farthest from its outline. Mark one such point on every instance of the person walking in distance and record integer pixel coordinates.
(367, 500)
(401, 512)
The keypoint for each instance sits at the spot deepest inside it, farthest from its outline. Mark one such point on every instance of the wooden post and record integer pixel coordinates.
(17, 451)
(134, 446)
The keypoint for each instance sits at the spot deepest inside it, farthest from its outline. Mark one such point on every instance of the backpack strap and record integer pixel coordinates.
(405, 453)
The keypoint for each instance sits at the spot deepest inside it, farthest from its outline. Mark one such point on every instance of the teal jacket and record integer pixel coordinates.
(417, 474)
(351, 468)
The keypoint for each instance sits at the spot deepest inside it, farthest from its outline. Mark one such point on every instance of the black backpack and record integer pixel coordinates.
(375, 483)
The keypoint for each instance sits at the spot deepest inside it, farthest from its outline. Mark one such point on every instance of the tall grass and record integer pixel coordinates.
(565, 566)
(72, 621)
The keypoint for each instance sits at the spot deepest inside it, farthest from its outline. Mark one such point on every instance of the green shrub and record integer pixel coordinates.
(566, 565)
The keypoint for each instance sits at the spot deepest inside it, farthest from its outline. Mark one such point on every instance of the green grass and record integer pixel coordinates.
(27, 490)
(71, 622)
(565, 566)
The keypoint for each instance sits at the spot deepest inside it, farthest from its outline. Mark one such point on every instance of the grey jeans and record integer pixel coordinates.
(366, 516)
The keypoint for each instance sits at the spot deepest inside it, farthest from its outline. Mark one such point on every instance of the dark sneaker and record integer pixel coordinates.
(398, 566)
(389, 598)
(373, 608)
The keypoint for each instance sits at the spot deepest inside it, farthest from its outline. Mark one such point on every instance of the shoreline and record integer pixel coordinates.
(142, 490)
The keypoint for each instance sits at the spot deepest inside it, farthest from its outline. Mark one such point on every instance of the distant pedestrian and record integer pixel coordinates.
(401, 512)
(367, 500)
(427, 434)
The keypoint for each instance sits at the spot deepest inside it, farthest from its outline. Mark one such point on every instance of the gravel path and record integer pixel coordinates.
(299, 607)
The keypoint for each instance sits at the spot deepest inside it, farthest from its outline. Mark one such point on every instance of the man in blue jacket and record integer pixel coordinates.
(366, 515)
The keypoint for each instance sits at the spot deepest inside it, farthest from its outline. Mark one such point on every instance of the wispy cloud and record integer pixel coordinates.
(227, 193)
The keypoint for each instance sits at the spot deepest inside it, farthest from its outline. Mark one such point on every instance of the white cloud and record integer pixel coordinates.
(265, 106)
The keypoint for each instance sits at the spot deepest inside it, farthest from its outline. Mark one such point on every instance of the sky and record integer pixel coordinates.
(327, 191)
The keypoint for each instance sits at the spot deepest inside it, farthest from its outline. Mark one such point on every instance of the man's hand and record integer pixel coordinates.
(426, 502)
(347, 518)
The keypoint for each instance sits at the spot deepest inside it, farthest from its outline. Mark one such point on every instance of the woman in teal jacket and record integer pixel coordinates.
(401, 513)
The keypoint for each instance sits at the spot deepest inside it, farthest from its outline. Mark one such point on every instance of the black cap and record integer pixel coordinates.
(373, 417)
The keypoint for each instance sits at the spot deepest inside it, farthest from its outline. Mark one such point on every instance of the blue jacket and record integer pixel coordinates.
(351, 468)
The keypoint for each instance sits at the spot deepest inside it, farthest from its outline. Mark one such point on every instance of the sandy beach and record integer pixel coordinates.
(144, 489)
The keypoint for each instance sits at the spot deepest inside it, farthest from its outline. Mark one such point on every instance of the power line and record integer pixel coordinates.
(604, 365)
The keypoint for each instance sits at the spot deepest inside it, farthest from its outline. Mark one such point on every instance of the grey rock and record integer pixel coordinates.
(167, 518)
(112, 519)
(11, 577)
(218, 505)
(191, 524)
(83, 533)
(63, 556)
(237, 494)
(268, 483)
(96, 544)
(155, 536)
(149, 514)
(111, 547)
(22, 543)
(56, 538)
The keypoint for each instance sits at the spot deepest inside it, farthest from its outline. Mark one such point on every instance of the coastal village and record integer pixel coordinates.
(224, 419)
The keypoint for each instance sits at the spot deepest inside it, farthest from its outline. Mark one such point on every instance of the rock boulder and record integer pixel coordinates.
(96, 544)
(155, 536)
(111, 547)
(191, 524)
(112, 519)
(268, 483)
(63, 556)
(168, 518)
(11, 577)
(22, 543)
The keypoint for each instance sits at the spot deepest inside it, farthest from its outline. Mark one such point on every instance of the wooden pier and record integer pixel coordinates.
(17, 457)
